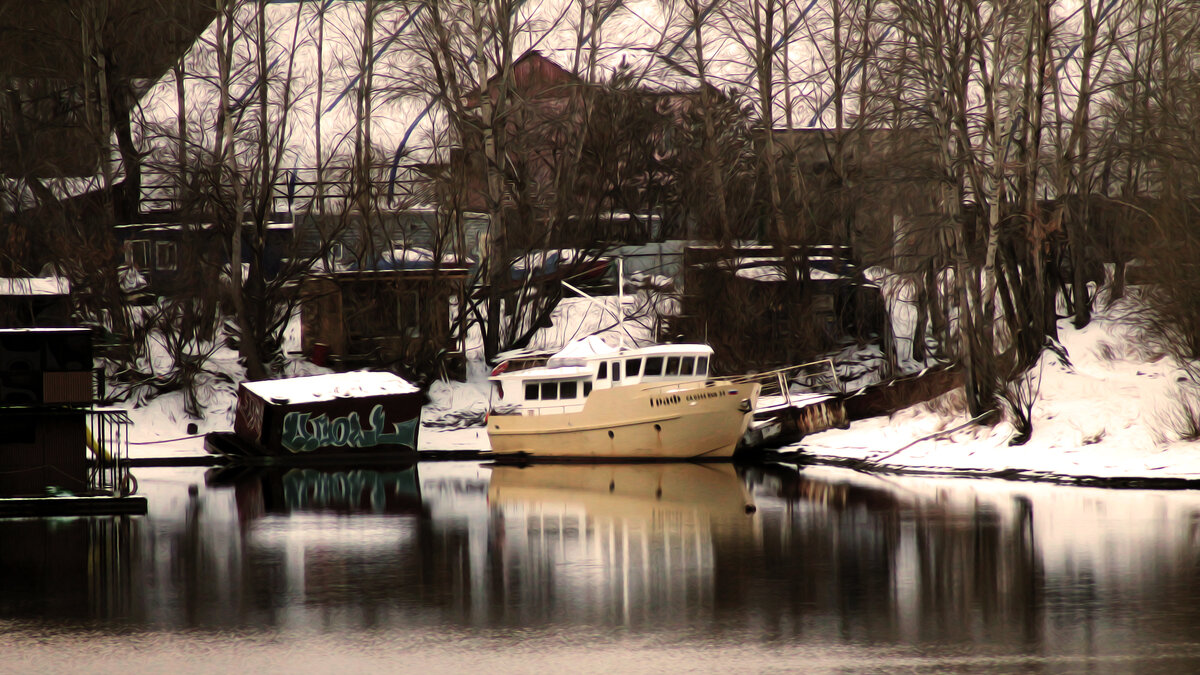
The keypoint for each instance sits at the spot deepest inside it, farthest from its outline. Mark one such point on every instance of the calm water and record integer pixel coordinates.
(444, 567)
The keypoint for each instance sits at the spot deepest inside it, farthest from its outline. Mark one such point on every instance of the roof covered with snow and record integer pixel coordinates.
(316, 388)
(35, 286)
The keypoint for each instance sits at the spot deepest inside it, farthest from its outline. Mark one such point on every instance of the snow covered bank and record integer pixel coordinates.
(1106, 414)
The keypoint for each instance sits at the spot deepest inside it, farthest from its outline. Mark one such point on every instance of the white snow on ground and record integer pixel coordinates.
(453, 418)
(160, 426)
(1104, 415)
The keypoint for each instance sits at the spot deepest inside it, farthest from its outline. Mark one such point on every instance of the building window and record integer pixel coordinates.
(165, 256)
(408, 317)
(137, 254)
(335, 255)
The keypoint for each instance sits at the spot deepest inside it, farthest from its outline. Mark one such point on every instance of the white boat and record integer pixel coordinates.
(591, 401)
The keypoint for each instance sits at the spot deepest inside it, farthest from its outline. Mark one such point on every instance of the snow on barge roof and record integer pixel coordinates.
(315, 388)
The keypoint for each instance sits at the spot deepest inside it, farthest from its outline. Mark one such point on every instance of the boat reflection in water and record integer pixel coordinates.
(617, 543)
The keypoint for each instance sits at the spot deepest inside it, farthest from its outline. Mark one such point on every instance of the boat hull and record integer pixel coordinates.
(685, 421)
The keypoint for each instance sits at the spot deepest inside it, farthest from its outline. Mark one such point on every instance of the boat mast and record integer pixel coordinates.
(620, 313)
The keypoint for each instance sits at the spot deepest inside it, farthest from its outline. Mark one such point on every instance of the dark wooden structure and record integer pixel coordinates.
(397, 318)
(885, 398)
(760, 309)
(47, 389)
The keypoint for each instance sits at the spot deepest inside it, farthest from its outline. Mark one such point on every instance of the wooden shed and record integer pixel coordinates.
(47, 386)
(402, 319)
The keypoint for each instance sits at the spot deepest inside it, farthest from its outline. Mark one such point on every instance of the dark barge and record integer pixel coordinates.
(359, 416)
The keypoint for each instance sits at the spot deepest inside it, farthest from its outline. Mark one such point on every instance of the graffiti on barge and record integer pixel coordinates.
(304, 433)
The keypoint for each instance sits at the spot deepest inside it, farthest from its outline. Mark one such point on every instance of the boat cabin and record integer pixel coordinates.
(569, 377)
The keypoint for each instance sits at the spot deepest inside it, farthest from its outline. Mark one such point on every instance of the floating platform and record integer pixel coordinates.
(779, 420)
(26, 507)
(795, 401)
(361, 416)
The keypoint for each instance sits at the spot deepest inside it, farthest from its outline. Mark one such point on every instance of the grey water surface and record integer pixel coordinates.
(454, 566)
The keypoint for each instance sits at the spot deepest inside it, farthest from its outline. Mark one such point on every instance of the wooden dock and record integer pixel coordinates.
(794, 402)
(26, 507)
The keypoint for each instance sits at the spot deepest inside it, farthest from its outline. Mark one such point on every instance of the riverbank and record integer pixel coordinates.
(1109, 413)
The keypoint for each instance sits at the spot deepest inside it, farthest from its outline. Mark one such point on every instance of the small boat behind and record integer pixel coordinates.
(361, 415)
(595, 402)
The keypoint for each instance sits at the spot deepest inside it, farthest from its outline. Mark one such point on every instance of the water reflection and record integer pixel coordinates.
(711, 556)
(283, 490)
(615, 544)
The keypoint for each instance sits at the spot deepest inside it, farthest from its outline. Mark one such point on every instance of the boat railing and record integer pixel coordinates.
(785, 385)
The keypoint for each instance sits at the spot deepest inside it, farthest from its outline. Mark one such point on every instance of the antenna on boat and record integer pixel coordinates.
(621, 301)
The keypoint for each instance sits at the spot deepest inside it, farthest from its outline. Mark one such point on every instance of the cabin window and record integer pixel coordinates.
(531, 391)
(568, 389)
(549, 391)
(587, 389)
(654, 366)
(686, 365)
(616, 371)
(702, 366)
(633, 367)
(603, 373)
(672, 365)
